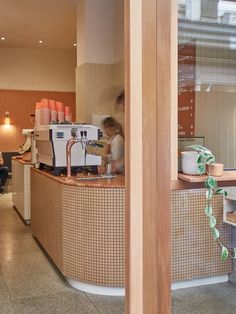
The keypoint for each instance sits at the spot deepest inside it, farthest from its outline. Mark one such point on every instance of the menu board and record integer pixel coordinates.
(186, 89)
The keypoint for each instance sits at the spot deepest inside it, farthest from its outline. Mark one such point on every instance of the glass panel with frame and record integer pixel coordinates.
(207, 75)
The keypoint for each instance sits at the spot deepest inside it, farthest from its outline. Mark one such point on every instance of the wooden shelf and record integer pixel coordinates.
(227, 176)
(231, 217)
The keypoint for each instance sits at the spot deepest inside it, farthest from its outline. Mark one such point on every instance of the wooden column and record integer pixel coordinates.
(148, 162)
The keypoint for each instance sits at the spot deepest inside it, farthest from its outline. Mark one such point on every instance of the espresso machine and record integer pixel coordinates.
(51, 143)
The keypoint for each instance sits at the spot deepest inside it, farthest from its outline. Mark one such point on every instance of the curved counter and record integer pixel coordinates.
(81, 225)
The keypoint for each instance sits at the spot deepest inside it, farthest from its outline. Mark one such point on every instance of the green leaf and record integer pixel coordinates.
(212, 221)
(209, 194)
(208, 210)
(205, 155)
(210, 160)
(211, 183)
(200, 160)
(234, 252)
(219, 191)
(201, 168)
(216, 233)
(224, 253)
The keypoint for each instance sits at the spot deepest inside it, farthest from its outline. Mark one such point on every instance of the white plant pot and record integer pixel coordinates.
(189, 162)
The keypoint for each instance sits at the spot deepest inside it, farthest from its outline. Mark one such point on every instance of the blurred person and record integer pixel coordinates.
(114, 132)
(3, 175)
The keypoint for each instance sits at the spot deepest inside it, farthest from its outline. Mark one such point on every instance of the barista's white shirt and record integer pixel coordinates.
(117, 150)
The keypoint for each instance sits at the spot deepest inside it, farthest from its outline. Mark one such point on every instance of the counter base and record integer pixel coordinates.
(100, 290)
(199, 282)
(26, 221)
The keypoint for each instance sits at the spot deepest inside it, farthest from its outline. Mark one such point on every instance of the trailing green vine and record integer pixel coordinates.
(207, 158)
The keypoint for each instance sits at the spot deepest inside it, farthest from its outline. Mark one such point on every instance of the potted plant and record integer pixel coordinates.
(205, 159)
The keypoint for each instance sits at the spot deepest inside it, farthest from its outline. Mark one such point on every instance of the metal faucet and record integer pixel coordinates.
(69, 145)
(74, 139)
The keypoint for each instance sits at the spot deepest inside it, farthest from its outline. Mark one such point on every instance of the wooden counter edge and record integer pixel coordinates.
(20, 160)
(84, 184)
(185, 185)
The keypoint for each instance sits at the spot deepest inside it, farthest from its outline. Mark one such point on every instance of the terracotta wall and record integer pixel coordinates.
(20, 105)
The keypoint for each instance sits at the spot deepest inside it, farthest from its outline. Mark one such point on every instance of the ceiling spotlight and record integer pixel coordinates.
(3, 38)
(40, 41)
(75, 45)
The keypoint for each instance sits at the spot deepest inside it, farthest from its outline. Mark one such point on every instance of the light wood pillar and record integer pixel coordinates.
(149, 62)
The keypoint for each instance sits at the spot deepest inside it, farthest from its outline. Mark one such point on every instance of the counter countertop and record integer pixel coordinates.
(116, 182)
(20, 160)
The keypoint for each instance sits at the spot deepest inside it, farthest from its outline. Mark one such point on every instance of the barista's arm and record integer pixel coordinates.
(1, 161)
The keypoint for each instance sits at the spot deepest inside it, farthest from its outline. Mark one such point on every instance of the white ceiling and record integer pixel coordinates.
(24, 22)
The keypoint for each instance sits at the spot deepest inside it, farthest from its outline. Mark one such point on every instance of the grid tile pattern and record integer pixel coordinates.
(82, 229)
(46, 215)
(194, 253)
(94, 235)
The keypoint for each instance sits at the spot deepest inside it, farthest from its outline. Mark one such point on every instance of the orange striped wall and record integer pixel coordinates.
(20, 105)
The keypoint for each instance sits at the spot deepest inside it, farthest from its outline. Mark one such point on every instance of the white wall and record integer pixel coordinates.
(215, 117)
(100, 31)
(37, 69)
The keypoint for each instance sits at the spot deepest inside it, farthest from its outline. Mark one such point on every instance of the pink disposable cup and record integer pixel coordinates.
(45, 103)
(60, 106)
(38, 105)
(67, 110)
(61, 116)
(53, 115)
(52, 104)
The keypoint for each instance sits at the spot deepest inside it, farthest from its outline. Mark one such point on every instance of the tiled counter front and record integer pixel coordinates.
(195, 254)
(81, 228)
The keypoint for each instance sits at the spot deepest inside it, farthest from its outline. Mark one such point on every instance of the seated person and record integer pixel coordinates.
(115, 136)
(3, 174)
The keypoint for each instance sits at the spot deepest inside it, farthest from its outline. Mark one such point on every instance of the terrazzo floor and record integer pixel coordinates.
(29, 283)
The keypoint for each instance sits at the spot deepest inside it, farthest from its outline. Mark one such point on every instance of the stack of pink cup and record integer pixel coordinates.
(68, 114)
(52, 111)
(45, 112)
(52, 105)
(60, 111)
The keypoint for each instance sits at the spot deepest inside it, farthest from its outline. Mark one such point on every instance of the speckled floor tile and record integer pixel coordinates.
(210, 299)
(4, 294)
(6, 308)
(65, 302)
(12, 247)
(108, 305)
(31, 275)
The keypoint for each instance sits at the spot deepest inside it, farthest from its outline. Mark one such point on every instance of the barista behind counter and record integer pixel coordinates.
(115, 156)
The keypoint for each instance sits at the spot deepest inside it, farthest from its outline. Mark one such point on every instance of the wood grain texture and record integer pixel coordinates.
(156, 163)
(227, 176)
(127, 155)
(133, 107)
(20, 105)
(148, 280)
(184, 185)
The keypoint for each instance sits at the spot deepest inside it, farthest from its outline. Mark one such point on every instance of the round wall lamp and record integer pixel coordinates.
(7, 120)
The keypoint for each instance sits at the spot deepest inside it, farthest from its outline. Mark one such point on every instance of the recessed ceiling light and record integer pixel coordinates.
(75, 45)
(40, 41)
(3, 38)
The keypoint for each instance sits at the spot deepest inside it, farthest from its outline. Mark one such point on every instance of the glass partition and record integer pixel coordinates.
(207, 75)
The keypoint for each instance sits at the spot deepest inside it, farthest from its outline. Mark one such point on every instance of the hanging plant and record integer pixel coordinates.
(206, 159)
